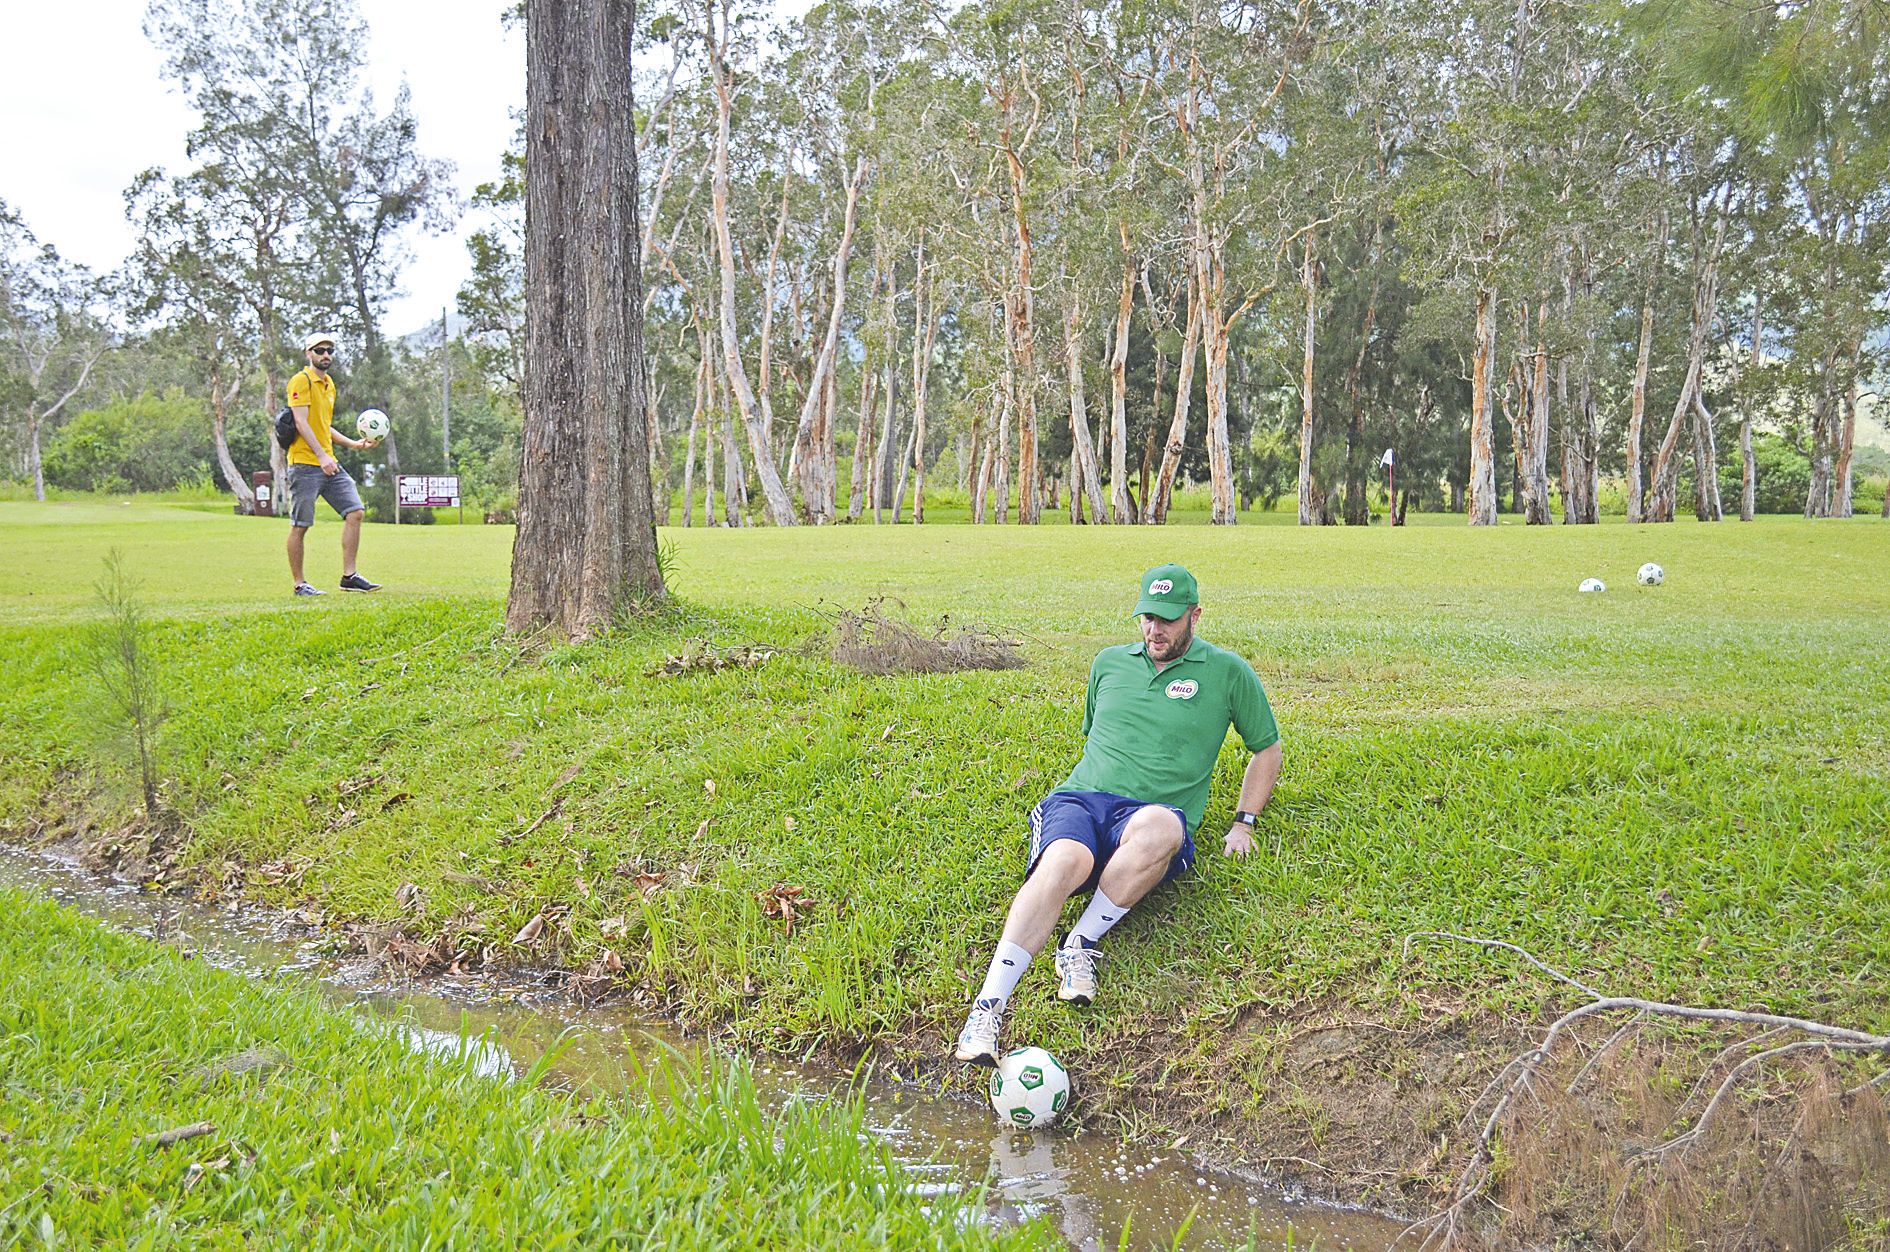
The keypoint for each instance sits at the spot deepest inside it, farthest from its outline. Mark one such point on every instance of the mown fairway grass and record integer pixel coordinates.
(330, 1132)
(1678, 792)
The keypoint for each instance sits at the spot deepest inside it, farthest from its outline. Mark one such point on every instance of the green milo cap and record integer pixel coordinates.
(1167, 591)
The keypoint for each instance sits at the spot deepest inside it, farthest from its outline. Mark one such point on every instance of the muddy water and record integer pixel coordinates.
(1089, 1185)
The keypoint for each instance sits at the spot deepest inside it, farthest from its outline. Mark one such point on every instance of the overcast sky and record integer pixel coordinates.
(89, 110)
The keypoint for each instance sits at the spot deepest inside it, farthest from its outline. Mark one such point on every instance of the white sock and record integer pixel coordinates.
(1007, 966)
(1096, 920)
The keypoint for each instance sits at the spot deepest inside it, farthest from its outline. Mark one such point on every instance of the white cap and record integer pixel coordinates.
(319, 336)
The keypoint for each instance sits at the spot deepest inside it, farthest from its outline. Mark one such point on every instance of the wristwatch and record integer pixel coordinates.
(1243, 817)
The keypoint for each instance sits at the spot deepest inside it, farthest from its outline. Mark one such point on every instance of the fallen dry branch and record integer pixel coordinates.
(165, 1138)
(875, 643)
(1517, 1078)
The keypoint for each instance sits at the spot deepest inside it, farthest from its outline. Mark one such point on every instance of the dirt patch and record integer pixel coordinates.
(875, 643)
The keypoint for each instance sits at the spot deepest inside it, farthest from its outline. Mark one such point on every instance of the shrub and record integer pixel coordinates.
(151, 443)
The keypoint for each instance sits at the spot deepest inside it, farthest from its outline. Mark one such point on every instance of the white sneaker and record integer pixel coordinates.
(977, 1042)
(1076, 972)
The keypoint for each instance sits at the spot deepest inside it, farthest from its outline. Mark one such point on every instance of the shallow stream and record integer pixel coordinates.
(1088, 1184)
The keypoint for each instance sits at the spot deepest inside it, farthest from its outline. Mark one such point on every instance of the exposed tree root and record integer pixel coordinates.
(1520, 1078)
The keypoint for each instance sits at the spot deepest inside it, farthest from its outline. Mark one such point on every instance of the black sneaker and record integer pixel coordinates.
(303, 589)
(354, 582)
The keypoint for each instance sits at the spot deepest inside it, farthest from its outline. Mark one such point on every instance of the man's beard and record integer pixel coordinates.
(1179, 647)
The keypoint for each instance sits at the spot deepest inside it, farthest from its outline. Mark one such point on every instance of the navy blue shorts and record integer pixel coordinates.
(1095, 819)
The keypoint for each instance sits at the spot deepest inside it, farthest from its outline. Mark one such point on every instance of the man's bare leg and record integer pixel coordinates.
(296, 536)
(1148, 845)
(350, 541)
(1060, 870)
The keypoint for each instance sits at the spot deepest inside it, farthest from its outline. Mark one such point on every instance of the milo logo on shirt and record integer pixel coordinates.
(1183, 689)
(1161, 586)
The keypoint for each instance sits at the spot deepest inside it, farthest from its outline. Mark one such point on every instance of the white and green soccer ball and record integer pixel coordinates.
(1029, 1088)
(1592, 584)
(372, 424)
(1651, 575)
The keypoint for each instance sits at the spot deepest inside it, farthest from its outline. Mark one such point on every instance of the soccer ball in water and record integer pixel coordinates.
(1651, 575)
(372, 424)
(1592, 584)
(1029, 1088)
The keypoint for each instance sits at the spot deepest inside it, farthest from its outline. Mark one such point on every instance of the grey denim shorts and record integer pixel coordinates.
(306, 482)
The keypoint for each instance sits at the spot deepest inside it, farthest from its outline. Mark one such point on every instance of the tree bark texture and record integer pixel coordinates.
(1155, 501)
(585, 550)
(1120, 507)
(1482, 486)
(1748, 472)
(1085, 479)
(780, 509)
(1309, 279)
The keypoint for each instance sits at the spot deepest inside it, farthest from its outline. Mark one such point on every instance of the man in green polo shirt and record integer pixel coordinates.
(1122, 822)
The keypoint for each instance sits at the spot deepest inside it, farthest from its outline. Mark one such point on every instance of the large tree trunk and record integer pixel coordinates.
(1748, 473)
(585, 550)
(881, 485)
(1532, 421)
(695, 426)
(33, 461)
(1482, 486)
(1846, 444)
(924, 331)
(1309, 283)
(780, 508)
(220, 400)
(862, 438)
(1120, 507)
(1637, 410)
(1085, 479)
(1358, 509)
(813, 456)
(1156, 500)
(1706, 505)
(1666, 473)
(1584, 424)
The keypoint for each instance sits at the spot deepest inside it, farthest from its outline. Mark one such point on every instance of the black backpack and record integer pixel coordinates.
(286, 433)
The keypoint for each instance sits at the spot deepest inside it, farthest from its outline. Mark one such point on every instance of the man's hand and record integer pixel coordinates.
(367, 443)
(330, 466)
(1239, 840)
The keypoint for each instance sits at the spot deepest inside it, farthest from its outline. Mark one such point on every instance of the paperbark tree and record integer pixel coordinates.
(780, 508)
(51, 335)
(190, 269)
(586, 545)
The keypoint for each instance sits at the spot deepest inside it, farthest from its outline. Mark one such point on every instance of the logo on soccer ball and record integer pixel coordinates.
(1161, 587)
(1030, 1078)
(1183, 689)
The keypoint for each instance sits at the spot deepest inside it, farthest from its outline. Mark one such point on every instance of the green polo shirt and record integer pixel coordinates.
(1156, 736)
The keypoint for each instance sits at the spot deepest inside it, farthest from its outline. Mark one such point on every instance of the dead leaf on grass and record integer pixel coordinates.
(784, 902)
(530, 930)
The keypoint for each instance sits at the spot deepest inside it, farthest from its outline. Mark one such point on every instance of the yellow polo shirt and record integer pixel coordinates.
(319, 395)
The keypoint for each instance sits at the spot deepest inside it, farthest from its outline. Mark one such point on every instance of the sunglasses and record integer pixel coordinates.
(323, 351)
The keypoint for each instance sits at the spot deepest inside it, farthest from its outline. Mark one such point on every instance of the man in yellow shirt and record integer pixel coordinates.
(313, 470)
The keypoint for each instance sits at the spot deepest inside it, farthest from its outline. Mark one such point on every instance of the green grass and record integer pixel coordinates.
(1677, 792)
(347, 1139)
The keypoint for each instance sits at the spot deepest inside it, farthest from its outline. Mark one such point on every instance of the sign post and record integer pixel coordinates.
(1391, 491)
(427, 491)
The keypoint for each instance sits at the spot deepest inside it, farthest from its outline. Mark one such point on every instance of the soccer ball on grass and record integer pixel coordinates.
(1592, 584)
(372, 424)
(1650, 575)
(1029, 1088)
